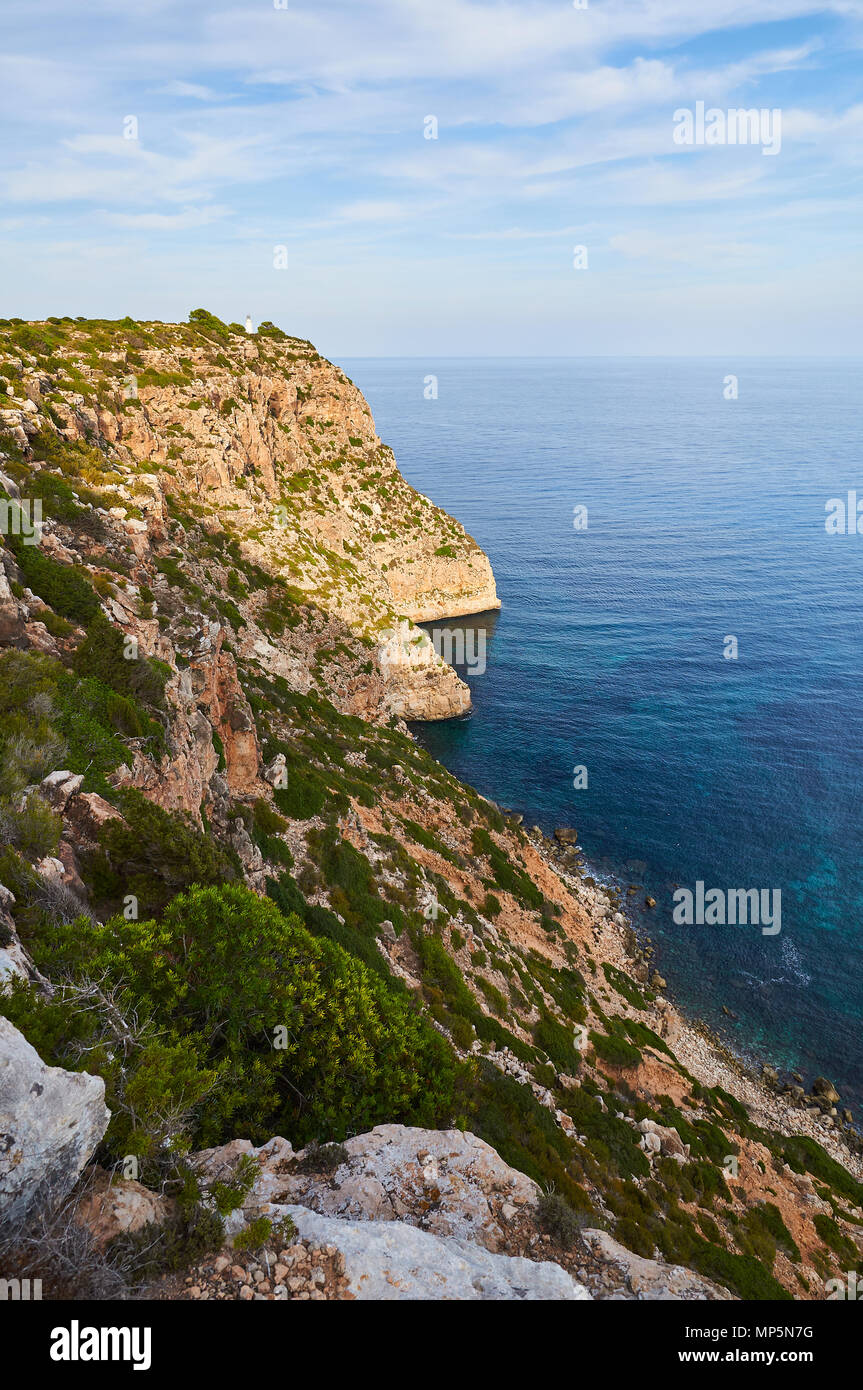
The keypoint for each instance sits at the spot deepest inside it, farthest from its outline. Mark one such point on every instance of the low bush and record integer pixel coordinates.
(556, 1040)
(614, 1050)
(558, 1219)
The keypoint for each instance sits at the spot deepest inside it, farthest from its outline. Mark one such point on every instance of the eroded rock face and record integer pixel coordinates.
(446, 1181)
(390, 1260)
(433, 588)
(50, 1122)
(10, 608)
(419, 684)
(652, 1279)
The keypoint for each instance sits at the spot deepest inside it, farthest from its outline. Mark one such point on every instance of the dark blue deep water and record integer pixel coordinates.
(705, 520)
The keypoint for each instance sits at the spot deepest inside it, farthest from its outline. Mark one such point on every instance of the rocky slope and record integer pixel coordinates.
(202, 668)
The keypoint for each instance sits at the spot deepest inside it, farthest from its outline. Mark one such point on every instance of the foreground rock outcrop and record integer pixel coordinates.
(50, 1122)
(448, 1182)
(415, 1213)
(391, 1260)
(649, 1280)
(14, 962)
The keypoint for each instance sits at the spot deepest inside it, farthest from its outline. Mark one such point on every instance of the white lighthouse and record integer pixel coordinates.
(249, 328)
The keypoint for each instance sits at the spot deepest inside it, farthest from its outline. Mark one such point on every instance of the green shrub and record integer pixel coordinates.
(612, 1049)
(209, 325)
(102, 656)
(288, 896)
(635, 1237)
(65, 588)
(741, 1274)
(833, 1238)
(153, 854)
(262, 1230)
(267, 829)
(351, 881)
(262, 1027)
(508, 1116)
(305, 795)
(183, 1240)
(494, 998)
(322, 1158)
(611, 1140)
(805, 1155)
(34, 830)
(625, 986)
(57, 626)
(50, 718)
(556, 1040)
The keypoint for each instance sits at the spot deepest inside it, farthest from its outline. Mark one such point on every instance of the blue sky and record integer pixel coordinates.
(303, 128)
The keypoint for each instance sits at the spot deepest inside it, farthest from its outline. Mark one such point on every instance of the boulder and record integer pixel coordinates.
(58, 787)
(664, 1139)
(651, 1143)
(14, 961)
(276, 773)
(825, 1090)
(114, 1206)
(85, 815)
(50, 1122)
(51, 869)
(565, 835)
(390, 1260)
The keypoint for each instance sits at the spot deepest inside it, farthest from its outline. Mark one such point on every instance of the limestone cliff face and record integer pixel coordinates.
(260, 441)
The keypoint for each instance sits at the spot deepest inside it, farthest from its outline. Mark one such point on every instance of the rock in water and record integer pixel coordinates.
(50, 1122)
(825, 1090)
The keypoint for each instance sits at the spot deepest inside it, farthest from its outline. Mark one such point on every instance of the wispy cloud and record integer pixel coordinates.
(256, 126)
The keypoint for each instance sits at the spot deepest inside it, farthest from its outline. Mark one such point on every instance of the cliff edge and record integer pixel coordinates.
(272, 454)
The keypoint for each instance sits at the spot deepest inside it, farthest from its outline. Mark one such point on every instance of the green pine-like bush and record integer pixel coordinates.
(253, 1027)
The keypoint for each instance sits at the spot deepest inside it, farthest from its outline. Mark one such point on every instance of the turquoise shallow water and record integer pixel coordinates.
(705, 520)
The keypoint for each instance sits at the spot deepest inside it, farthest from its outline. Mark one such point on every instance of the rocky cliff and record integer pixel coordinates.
(238, 901)
(261, 447)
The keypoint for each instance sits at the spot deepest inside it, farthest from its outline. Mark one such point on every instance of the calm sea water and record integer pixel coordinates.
(705, 520)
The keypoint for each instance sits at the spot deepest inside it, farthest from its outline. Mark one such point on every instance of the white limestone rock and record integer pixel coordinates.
(389, 1260)
(446, 1181)
(50, 1122)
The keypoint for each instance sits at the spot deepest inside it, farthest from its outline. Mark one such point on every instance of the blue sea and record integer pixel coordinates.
(705, 521)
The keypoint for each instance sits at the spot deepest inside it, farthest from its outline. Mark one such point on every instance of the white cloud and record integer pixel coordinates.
(189, 89)
(168, 221)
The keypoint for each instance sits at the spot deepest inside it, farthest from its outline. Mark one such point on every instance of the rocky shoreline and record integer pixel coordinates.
(778, 1100)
